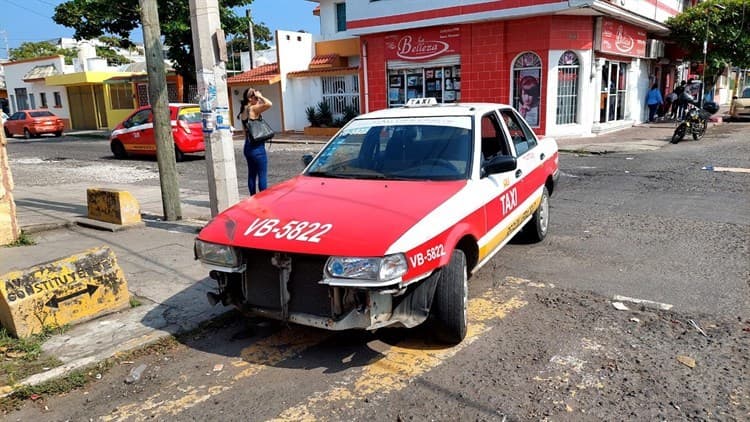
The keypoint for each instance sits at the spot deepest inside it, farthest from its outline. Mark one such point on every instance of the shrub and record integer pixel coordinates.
(325, 116)
(312, 116)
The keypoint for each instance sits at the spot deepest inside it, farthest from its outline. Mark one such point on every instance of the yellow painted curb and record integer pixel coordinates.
(66, 291)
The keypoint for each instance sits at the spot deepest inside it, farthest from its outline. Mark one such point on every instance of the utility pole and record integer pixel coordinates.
(157, 93)
(210, 63)
(250, 38)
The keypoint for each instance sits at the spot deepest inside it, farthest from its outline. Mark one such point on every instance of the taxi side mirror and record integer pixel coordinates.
(499, 164)
(307, 159)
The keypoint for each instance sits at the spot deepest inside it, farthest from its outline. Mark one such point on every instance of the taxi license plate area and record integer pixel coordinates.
(261, 282)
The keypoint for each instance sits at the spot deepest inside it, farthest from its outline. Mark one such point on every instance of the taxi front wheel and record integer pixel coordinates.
(450, 304)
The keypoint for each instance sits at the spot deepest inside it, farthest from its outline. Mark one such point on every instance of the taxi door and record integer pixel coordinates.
(529, 176)
(140, 132)
(500, 189)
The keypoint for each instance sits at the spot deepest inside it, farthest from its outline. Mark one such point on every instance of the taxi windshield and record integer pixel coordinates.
(414, 148)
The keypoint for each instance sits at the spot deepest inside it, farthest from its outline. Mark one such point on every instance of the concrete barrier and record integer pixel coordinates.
(113, 206)
(66, 291)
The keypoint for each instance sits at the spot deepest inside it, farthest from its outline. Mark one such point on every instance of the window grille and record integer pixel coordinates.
(567, 88)
(340, 93)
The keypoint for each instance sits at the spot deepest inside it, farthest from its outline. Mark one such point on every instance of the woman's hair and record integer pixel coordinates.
(244, 101)
(530, 85)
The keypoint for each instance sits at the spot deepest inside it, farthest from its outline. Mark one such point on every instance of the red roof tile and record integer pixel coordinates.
(266, 74)
(325, 59)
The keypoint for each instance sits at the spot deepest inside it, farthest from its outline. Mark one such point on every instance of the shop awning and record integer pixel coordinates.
(267, 74)
(38, 73)
(605, 8)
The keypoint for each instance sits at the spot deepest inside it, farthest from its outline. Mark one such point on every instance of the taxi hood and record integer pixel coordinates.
(327, 216)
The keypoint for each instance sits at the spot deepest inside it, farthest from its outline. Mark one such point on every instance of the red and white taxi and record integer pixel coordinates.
(388, 221)
(135, 134)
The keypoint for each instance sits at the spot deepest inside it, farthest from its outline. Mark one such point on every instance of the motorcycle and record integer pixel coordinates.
(695, 121)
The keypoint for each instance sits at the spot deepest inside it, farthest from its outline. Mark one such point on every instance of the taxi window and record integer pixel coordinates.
(399, 149)
(138, 118)
(523, 138)
(494, 141)
(190, 114)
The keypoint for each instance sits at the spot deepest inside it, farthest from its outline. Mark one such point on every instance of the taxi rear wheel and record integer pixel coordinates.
(450, 304)
(26, 133)
(536, 229)
(7, 133)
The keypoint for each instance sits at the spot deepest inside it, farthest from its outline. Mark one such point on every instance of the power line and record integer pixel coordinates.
(27, 9)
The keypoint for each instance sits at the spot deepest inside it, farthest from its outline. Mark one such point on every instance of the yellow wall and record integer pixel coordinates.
(344, 48)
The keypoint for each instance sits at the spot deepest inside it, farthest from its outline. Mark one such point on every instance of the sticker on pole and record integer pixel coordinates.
(66, 291)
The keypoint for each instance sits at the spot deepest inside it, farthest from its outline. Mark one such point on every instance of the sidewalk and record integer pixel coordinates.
(157, 259)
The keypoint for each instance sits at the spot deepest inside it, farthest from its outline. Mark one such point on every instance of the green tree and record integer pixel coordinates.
(728, 34)
(94, 18)
(30, 50)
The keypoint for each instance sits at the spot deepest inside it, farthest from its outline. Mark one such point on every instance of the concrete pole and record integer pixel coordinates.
(8, 223)
(210, 64)
(157, 94)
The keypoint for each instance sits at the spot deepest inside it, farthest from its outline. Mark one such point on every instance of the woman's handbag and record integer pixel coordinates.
(259, 130)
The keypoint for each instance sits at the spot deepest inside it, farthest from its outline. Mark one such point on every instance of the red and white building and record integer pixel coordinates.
(590, 62)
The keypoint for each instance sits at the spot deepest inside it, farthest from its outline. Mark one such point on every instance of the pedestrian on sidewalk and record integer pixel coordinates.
(253, 103)
(670, 105)
(653, 100)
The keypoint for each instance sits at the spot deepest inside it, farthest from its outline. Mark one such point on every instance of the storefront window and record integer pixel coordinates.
(440, 82)
(526, 95)
(613, 105)
(567, 88)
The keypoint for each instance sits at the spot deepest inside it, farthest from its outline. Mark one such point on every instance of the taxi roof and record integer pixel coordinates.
(432, 110)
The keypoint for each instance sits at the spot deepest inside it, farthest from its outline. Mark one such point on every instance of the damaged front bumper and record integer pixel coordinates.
(291, 288)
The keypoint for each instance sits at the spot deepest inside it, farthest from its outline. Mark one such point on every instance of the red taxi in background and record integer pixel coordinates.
(388, 222)
(135, 135)
(32, 123)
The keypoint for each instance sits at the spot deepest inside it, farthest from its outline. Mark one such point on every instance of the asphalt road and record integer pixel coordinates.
(650, 225)
(545, 341)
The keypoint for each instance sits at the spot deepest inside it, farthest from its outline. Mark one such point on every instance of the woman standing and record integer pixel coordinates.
(252, 105)
(653, 100)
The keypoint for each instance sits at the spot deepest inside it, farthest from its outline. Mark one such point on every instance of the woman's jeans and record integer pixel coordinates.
(652, 109)
(257, 166)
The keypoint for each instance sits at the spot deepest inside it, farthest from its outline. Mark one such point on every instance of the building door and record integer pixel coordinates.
(101, 109)
(614, 89)
(82, 111)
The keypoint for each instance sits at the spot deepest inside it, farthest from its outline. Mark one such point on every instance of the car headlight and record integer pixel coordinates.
(380, 269)
(214, 255)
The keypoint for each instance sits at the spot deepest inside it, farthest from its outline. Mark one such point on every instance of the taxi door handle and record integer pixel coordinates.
(541, 157)
(518, 173)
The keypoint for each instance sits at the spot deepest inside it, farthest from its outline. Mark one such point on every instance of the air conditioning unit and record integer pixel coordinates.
(654, 49)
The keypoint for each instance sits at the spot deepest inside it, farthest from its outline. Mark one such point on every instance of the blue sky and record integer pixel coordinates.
(31, 20)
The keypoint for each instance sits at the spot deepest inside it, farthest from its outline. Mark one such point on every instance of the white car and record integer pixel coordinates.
(740, 107)
(3, 117)
(388, 222)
